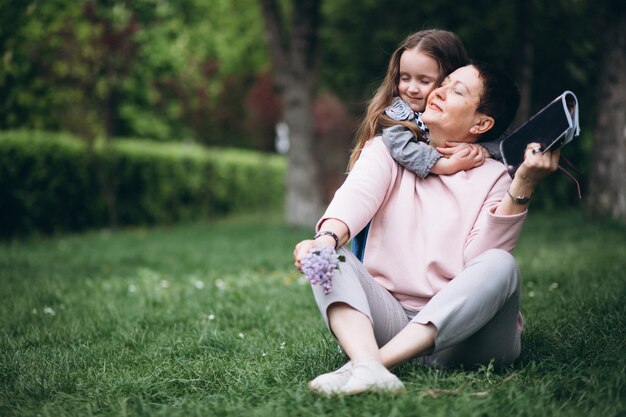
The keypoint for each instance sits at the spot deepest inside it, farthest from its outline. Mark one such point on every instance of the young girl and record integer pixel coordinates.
(419, 64)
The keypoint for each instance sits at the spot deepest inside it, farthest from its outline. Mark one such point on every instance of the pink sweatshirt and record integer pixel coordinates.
(423, 231)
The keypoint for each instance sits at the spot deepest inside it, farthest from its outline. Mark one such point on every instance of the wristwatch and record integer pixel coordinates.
(520, 199)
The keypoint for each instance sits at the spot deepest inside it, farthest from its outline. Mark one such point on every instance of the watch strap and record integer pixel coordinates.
(519, 199)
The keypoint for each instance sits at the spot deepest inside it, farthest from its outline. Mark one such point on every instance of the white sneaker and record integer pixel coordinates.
(371, 377)
(331, 382)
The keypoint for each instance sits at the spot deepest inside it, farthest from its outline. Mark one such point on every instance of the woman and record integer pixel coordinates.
(438, 280)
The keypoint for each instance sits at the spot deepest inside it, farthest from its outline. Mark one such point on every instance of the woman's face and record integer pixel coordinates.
(418, 74)
(451, 108)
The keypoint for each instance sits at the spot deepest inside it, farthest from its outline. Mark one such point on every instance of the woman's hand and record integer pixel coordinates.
(302, 249)
(337, 227)
(536, 166)
(307, 246)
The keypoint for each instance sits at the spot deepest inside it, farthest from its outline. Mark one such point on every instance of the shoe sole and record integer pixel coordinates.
(376, 390)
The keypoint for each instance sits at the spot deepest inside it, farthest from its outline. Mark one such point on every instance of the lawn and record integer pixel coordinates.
(211, 319)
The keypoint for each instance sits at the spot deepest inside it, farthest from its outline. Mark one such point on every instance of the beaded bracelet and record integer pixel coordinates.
(328, 233)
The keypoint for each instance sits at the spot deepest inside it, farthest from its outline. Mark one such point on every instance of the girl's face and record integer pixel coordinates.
(418, 74)
(452, 107)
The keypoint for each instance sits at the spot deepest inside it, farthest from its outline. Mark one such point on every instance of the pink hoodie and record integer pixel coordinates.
(423, 231)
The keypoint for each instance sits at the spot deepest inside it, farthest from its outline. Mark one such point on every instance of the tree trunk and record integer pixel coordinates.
(304, 195)
(294, 55)
(524, 59)
(607, 193)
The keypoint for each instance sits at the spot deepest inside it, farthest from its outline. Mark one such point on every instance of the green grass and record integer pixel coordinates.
(211, 319)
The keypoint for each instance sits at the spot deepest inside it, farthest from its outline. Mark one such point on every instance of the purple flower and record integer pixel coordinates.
(319, 265)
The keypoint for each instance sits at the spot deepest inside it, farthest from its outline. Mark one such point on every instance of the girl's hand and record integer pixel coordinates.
(453, 147)
(467, 155)
(484, 151)
(458, 157)
(470, 158)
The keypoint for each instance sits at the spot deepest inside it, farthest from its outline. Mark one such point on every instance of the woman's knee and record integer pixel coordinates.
(503, 265)
(502, 258)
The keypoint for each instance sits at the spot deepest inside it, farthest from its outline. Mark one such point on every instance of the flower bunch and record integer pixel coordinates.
(319, 265)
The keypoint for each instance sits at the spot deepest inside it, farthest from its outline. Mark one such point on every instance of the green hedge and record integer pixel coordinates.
(54, 182)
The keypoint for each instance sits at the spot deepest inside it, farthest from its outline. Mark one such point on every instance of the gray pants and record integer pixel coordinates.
(476, 314)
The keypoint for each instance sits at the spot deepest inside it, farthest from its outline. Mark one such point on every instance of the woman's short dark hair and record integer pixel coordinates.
(500, 99)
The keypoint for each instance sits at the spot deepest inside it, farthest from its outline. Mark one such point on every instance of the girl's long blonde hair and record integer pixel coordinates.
(444, 47)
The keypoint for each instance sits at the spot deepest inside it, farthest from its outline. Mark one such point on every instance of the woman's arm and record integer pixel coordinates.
(356, 201)
(337, 227)
(536, 166)
(500, 222)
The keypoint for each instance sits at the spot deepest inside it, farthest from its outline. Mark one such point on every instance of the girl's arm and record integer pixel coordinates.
(418, 157)
(422, 159)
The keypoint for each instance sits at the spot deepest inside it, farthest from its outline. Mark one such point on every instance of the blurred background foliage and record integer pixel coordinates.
(559, 34)
(53, 182)
(199, 71)
(151, 69)
(192, 69)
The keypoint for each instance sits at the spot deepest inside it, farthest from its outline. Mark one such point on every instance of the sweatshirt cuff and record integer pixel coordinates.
(506, 219)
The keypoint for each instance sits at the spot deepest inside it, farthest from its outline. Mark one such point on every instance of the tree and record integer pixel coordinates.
(607, 192)
(151, 69)
(294, 53)
(524, 58)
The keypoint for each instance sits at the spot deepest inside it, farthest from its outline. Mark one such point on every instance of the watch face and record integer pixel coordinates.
(520, 199)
